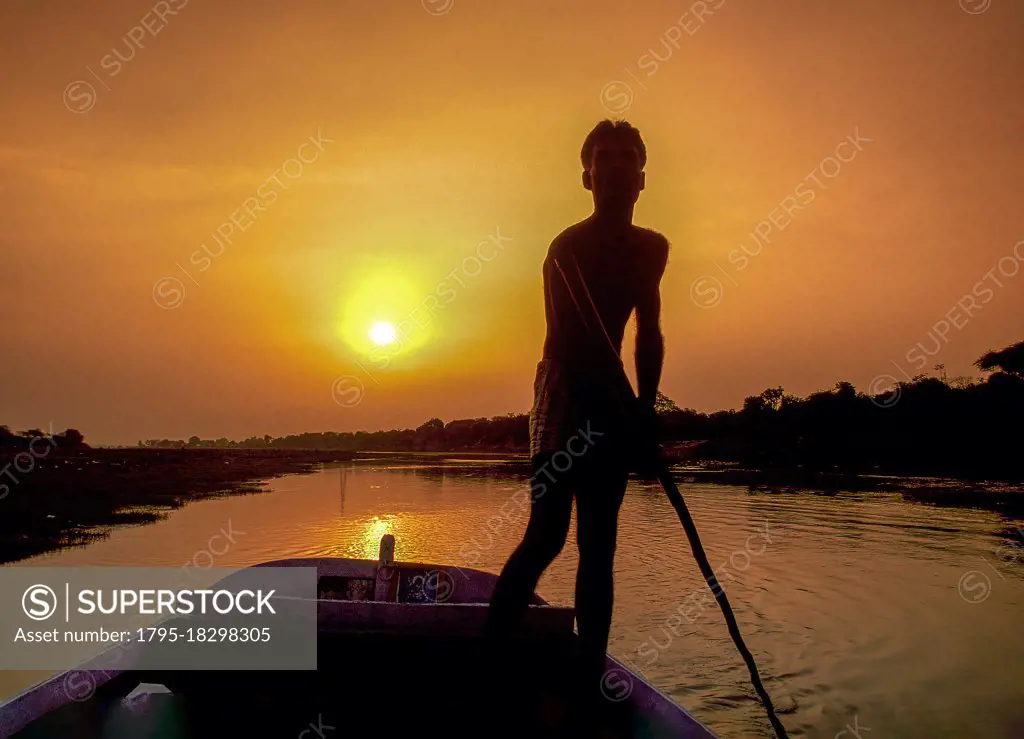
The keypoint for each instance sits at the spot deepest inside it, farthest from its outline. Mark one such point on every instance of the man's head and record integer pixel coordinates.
(613, 159)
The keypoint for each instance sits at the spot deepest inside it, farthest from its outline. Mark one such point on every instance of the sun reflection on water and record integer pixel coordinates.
(376, 527)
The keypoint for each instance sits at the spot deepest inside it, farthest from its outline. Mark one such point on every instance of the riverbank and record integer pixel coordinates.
(69, 498)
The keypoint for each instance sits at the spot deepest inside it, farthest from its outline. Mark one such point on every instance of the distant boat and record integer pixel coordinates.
(399, 653)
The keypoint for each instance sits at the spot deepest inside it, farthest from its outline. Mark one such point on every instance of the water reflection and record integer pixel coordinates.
(845, 608)
(375, 529)
(343, 472)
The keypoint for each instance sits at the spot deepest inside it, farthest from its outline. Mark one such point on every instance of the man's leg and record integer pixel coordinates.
(598, 500)
(545, 536)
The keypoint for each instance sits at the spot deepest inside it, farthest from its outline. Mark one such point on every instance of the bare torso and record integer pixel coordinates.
(620, 267)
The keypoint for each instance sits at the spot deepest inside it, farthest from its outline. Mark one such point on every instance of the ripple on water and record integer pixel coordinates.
(849, 602)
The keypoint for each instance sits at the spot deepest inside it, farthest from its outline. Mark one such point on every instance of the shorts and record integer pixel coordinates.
(571, 409)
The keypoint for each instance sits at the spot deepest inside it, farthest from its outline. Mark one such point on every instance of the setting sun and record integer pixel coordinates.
(378, 319)
(382, 333)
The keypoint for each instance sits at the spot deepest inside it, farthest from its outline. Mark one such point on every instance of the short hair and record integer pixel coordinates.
(608, 127)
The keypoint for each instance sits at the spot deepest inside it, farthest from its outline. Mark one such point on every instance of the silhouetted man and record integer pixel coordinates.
(583, 428)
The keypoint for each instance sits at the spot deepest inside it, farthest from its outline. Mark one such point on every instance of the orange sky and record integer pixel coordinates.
(450, 122)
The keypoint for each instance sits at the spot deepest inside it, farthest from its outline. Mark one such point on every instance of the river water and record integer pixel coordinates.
(867, 614)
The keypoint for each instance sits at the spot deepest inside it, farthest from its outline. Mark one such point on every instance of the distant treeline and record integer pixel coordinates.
(501, 433)
(961, 427)
(38, 441)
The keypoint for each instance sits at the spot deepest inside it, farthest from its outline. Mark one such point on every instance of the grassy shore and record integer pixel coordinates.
(71, 498)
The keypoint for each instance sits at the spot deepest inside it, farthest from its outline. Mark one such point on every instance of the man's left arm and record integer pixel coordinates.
(650, 344)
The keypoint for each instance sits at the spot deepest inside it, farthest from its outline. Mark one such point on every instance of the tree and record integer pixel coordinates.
(432, 426)
(773, 396)
(962, 382)
(844, 390)
(753, 404)
(664, 404)
(1009, 360)
(71, 439)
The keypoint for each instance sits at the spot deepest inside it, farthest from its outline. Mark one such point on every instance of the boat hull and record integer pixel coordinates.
(415, 664)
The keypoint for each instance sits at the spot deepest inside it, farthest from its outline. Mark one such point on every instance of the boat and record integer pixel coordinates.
(399, 652)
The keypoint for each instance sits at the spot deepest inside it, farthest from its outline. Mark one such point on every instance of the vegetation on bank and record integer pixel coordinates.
(928, 425)
(56, 491)
(65, 497)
